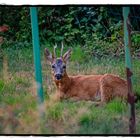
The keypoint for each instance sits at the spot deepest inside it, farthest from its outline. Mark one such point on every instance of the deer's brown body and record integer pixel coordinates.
(91, 87)
(85, 87)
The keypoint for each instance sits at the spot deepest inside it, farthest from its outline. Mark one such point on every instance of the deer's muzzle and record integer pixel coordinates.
(58, 76)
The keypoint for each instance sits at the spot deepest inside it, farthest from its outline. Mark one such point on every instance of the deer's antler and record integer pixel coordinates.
(62, 46)
(54, 50)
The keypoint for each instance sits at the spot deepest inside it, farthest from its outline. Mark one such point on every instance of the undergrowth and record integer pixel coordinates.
(19, 110)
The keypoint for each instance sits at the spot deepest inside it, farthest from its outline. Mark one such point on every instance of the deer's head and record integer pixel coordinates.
(58, 64)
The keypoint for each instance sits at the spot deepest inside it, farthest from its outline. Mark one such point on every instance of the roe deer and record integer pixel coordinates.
(84, 87)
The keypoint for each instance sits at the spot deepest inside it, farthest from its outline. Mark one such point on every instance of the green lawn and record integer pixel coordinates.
(19, 110)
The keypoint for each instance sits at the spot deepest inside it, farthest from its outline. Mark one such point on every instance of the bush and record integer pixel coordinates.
(86, 26)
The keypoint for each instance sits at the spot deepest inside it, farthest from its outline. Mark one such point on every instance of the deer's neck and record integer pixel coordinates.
(63, 84)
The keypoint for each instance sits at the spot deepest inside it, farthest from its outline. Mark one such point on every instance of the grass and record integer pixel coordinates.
(19, 110)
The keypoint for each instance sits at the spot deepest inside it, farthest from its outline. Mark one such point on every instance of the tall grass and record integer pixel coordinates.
(19, 107)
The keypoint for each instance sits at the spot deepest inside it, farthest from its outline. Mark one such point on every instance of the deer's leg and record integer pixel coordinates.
(106, 93)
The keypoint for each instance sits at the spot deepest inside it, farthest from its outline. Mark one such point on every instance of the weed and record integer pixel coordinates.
(55, 111)
(116, 106)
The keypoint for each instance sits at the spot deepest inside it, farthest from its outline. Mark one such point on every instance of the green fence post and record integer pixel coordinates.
(36, 52)
(128, 63)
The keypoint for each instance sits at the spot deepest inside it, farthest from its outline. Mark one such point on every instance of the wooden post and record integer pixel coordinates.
(129, 74)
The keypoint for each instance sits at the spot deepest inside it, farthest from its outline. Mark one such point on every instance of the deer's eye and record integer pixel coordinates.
(64, 66)
(53, 66)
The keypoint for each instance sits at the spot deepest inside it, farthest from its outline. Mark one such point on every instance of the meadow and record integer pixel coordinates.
(19, 109)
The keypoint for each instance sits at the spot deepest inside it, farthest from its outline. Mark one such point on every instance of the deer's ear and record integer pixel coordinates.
(67, 55)
(48, 55)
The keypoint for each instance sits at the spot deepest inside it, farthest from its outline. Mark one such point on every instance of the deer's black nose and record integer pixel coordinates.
(58, 76)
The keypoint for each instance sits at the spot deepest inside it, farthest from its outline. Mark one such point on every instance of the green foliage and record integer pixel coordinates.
(135, 44)
(18, 56)
(2, 84)
(9, 16)
(91, 27)
(22, 82)
(116, 106)
(55, 112)
(86, 119)
(136, 39)
(102, 121)
(24, 34)
(77, 54)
